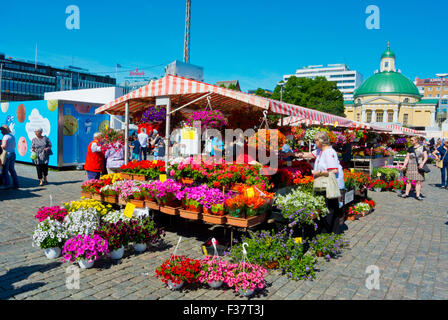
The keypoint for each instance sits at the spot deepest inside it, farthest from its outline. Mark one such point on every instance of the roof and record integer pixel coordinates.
(388, 53)
(428, 101)
(393, 83)
(348, 102)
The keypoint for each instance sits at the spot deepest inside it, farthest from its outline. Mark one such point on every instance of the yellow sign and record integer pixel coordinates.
(154, 161)
(336, 124)
(204, 250)
(298, 240)
(162, 177)
(385, 163)
(187, 134)
(250, 193)
(378, 174)
(129, 210)
(352, 170)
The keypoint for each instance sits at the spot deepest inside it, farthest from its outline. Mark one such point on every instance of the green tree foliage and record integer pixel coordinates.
(319, 94)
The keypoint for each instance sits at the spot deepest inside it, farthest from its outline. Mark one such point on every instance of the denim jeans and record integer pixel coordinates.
(444, 171)
(9, 167)
(143, 152)
(93, 175)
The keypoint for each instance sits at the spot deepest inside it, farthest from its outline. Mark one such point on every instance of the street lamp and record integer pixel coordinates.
(441, 76)
(281, 84)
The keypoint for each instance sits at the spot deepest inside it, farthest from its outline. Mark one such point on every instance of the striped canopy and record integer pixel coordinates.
(408, 131)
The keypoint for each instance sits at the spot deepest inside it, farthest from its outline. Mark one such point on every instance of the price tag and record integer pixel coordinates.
(154, 161)
(298, 240)
(162, 177)
(129, 210)
(349, 196)
(378, 174)
(250, 193)
(187, 134)
(385, 163)
(336, 124)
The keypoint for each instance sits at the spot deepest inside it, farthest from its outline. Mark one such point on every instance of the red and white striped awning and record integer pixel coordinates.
(406, 130)
(181, 91)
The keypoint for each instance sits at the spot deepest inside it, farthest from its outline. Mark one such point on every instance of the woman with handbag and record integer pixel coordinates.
(41, 145)
(442, 162)
(326, 171)
(415, 165)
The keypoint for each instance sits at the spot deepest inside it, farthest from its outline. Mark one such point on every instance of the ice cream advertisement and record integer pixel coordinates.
(36, 121)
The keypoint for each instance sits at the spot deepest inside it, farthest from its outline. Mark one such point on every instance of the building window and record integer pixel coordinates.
(369, 116)
(405, 119)
(430, 89)
(438, 88)
(430, 95)
(379, 116)
(358, 117)
(390, 117)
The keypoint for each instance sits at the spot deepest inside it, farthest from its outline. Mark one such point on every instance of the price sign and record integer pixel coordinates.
(336, 124)
(154, 161)
(349, 196)
(187, 134)
(129, 210)
(250, 193)
(378, 174)
(162, 177)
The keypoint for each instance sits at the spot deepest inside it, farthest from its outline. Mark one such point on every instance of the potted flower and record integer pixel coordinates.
(83, 221)
(138, 197)
(85, 249)
(177, 270)
(214, 271)
(50, 235)
(397, 185)
(245, 278)
(144, 231)
(327, 245)
(168, 196)
(54, 213)
(213, 201)
(192, 202)
(236, 205)
(362, 208)
(210, 119)
(110, 193)
(117, 236)
(378, 185)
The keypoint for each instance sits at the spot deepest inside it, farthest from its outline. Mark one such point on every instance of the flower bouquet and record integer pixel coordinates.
(54, 213)
(245, 278)
(214, 271)
(116, 235)
(50, 235)
(85, 249)
(177, 270)
(327, 245)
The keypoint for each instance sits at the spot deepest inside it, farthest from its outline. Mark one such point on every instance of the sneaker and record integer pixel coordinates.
(419, 198)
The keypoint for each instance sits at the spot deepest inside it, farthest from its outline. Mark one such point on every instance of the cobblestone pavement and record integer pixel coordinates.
(405, 238)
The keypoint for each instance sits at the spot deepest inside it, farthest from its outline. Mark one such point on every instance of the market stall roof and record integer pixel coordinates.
(181, 91)
(404, 130)
(294, 121)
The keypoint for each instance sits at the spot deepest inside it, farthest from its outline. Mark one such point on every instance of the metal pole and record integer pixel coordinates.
(1, 74)
(167, 132)
(126, 133)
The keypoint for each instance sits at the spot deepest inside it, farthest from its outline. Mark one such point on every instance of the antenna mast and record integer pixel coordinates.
(187, 33)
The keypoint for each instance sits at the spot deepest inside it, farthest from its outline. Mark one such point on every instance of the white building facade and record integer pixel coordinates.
(346, 80)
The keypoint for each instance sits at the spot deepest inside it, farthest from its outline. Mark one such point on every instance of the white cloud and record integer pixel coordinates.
(36, 121)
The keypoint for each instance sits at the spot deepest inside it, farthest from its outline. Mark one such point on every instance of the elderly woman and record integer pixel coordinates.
(114, 158)
(326, 161)
(41, 145)
(8, 146)
(415, 159)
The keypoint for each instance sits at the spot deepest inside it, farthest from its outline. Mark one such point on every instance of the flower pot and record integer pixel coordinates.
(170, 210)
(191, 215)
(126, 176)
(97, 196)
(377, 189)
(246, 293)
(111, 198)
(140, 247)
(175, 286)
(139, 177)
(117, 254)
(86, 194)
(215, 284)
(209, 212)
(86, 264)
(138, 203)
(245, 222)
(210, 218)
(52, 253)
(152, 205)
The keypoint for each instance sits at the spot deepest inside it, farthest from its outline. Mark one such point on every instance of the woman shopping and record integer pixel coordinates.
(327, 163)
(442, 162)
(414, 164)
(41, 146)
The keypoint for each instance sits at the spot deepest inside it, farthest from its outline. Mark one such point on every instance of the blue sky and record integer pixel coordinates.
(255, 42)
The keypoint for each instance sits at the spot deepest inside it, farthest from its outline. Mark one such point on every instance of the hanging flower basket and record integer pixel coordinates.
(210, 119)
(154, 114)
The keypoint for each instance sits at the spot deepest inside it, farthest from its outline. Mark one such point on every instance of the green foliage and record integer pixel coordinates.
(328, 244)
(319, 94)
(387, 174)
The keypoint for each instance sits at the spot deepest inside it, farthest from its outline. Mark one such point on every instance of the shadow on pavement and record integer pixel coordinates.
(19, 274)
(13, 194)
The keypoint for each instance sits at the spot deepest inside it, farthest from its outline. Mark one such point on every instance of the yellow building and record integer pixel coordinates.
(389, 97)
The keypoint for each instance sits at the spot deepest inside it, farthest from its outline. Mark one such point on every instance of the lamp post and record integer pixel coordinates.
(441, 76)
(281, 84)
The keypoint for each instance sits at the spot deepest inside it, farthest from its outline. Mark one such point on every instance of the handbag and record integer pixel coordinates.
(320, 184)
(333, 190)
(425, 168)
(439, 163)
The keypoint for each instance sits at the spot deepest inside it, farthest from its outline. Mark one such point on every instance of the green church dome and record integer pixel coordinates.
(382, 83)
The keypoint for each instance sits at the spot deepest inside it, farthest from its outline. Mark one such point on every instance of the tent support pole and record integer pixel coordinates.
(167, 132)
(126, 133)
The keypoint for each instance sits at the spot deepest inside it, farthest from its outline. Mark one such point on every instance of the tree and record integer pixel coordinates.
(319, 94)
(262, 93)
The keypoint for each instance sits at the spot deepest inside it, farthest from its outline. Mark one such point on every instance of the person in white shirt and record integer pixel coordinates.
(326, 161)
(143, 139)
(8, 144)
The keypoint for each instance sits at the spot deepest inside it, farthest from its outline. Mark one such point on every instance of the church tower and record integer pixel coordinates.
(388, 60)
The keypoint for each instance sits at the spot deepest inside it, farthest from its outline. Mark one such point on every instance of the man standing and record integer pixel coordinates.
(143, 139)
(94, 165)
(159, 146)
(9, 146)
